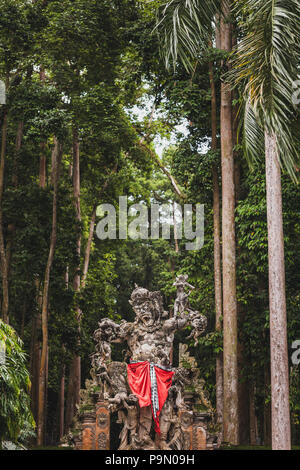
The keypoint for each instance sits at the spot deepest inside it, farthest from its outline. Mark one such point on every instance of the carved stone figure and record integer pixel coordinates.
(181, 303)
(148, 388)
(149, 340)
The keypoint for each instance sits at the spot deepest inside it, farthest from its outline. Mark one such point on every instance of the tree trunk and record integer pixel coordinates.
(88, 246)
(243, 390)
(243, 385)
(37, 324)
(281, 430)
(4, 270)
(44, 354)
(42, 173)
(70, 403)
(76, 282)
(75, 367)
(62, 400)
(19, 138)
(217, 253)
(218, 300)
(23, 320)
(11, 229)
(267, 408)
(36, 353)
(230, 412)
(53, 159)
(252, 416)
(43, 160)
(175, 229)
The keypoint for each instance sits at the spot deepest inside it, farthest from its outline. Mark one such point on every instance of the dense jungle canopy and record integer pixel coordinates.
(182, 102)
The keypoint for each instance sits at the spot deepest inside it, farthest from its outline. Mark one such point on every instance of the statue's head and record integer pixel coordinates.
(148, 306)
(106, 330)
(180, 280)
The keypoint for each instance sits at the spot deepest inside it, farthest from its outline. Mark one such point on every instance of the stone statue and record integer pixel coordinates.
(147, 389)
(149, 341)
(181, 303)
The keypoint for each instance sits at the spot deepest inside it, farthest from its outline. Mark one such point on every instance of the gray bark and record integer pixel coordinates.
(230, 409)
(281, 429)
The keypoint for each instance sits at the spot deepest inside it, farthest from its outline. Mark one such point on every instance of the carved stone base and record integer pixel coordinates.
(186, 419)
(102, 426)
(202, 438)
(195, 433)
(88, 431)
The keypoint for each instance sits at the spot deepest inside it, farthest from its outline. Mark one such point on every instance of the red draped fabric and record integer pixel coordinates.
(140, 384)
(139, 381)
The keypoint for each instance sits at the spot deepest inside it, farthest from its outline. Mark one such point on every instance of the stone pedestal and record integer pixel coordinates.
(102, 432)
(199, 438)
(202, 439)
(195, 433)
(186, 421)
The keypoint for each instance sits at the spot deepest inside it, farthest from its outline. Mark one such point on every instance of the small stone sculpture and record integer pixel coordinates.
(181, 303)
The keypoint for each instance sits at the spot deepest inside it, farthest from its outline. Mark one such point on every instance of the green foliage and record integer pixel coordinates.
(266, 64)
(184, 28)
(102, 70)
(16, 421)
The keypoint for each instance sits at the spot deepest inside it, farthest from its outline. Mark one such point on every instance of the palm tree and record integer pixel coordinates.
(266, 64)
(185, 27)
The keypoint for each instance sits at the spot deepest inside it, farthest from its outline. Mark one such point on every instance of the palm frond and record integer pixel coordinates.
(253, 135)
(184, 26)
(266, 64)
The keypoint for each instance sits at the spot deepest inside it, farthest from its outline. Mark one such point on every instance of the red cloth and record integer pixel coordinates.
(140, 384)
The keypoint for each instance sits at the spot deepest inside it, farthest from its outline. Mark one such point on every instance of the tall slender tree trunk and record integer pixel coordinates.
(217, 253)
(175, 229)
(4, 267)
(11, 229)
(230, 410)
(43, 165)
(70, 402)
(23, 320)
(63, 378)
(62, 400)
(88, 246)
(43, 158)
(36, 352)
(38, 321)
(267, 408)
(243, 385)
(252, 416)
(75, 367)
(44, 354)
(281, 428)
(76, 282)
